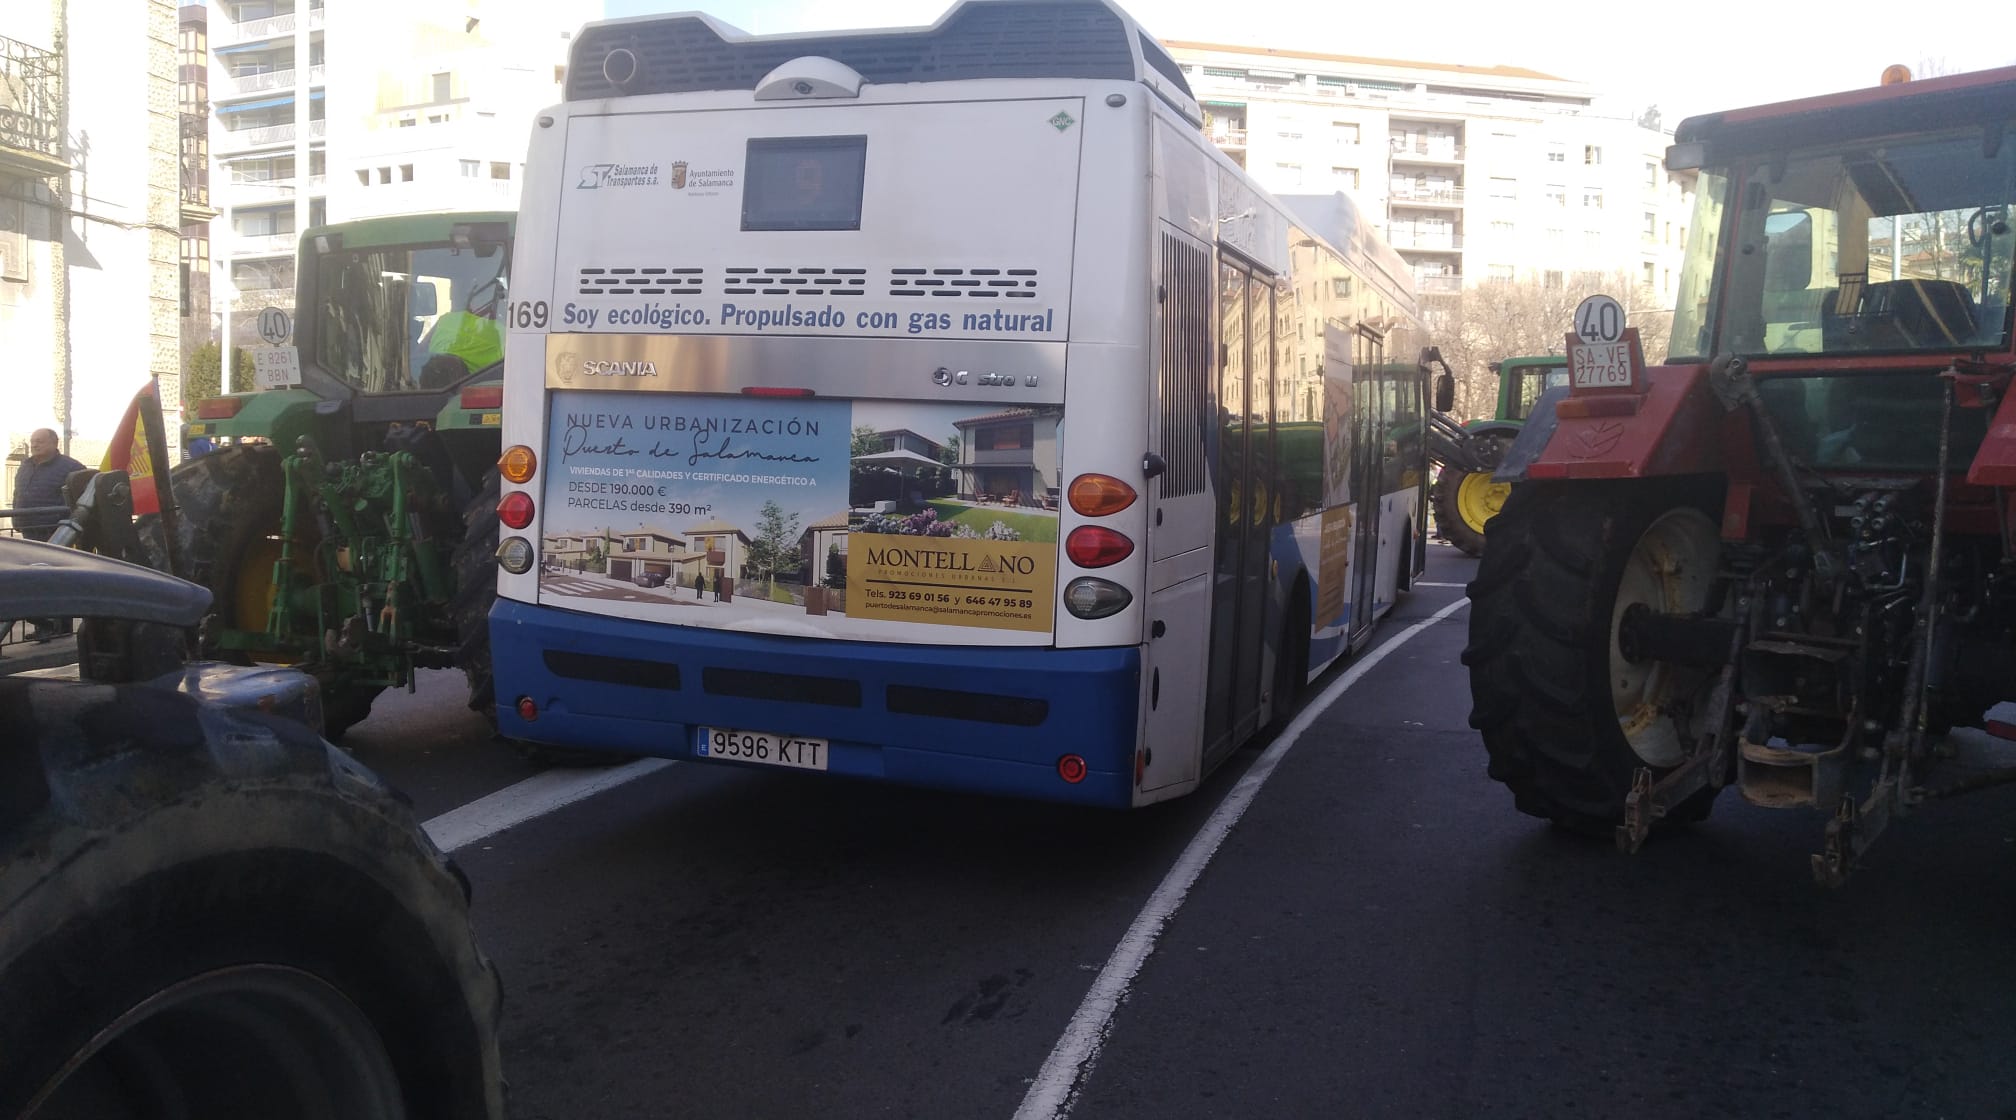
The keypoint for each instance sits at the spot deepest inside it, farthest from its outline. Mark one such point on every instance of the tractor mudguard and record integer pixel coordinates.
(1674, 427)
(278, 415)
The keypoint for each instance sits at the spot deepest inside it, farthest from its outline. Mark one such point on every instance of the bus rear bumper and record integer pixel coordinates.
(986, 720)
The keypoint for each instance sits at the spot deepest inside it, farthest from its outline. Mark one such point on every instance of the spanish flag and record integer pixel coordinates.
(138, 445)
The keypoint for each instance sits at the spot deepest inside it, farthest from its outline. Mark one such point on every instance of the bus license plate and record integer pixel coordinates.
(761, 747)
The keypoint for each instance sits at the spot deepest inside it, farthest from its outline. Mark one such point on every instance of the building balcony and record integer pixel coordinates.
(1228, 137)
(1423, 152)
(318, 130)
(260, 192)
(1426, 242)
(1438, 285)
(245, 85)
(263, 244)
(31, 80)
(225, 32)
(1435, 197)
(247, 139)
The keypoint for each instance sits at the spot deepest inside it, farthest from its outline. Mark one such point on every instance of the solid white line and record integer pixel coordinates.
(1426, 583)
(1056, 1085)
(536, 796)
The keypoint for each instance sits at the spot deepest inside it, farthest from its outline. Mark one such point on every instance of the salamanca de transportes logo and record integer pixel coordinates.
(596, 176)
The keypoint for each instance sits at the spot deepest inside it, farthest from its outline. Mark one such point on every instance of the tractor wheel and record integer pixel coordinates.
(1465, 500)
(1567, 720)
(475, 592)
(233, 919)
(228, 539)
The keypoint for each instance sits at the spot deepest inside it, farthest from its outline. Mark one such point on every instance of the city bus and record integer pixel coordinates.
(936, 406)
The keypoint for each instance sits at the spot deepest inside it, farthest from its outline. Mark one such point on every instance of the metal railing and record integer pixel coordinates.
(1228, 137)
(1424, 150)
(1410, 193)
(256, 137)
(1438, 284)
(258, 83)
(228, 31)
(33, 81)
(1430, 242)
(262, 244)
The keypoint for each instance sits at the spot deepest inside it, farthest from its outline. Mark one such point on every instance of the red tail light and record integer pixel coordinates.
(516, 509)
(527, 710)
(1096, 495)
(219, 408)
(1071, 768)
(483, 396)
(1094, 546)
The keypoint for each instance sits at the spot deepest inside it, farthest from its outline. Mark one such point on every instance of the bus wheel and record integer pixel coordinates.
(1566, 719)
(235, 919)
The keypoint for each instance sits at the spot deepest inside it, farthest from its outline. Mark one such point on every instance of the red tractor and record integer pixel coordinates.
(1783, 560)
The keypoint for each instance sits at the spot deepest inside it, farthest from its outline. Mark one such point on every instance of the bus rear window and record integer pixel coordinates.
(804, 182)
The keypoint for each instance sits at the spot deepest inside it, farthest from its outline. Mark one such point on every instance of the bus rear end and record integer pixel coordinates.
(794, 364)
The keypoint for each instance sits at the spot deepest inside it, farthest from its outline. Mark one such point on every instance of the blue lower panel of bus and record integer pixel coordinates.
(985, 720)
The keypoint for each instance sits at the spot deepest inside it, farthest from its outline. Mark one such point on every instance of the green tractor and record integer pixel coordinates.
(344, 516)
(1466, 499)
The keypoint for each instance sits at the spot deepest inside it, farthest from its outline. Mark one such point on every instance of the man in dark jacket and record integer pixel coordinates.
(39, 482)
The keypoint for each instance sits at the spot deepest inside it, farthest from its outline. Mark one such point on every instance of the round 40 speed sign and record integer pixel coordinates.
(1599, 319)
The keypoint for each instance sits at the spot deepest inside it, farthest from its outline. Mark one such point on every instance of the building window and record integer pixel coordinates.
(407, 122)
(1346, 131)
(441, 87)
(1557, 154)
(1648, 273)
(1592, 155)
(500, 171)
(1346, 177)
(1289, 174)
(1551, 278)
(1651, 174)
(384, 174)
(1651, 226)
(1592, 239)
(437, 118)
(1503, 229)
(1498, 274)
(1592, 198)
(471, 169)
(559, 75)
(1506, 190)
(1340, 287)
(405, 172)
(364, 177)
(1289, 135)
(1557, 193)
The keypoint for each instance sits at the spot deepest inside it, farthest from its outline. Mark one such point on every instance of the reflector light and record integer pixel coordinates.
(1090, 597)
(1096, 546)
(1096, 495)
(517, 464)
(527, 710)
(1071, 768)
(515, 555)
(516, 509)
(219, 408)
(483, 396)
(774, 391)
(1896, 75)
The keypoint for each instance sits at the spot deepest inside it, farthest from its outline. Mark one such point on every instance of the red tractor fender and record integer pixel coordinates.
(1676, 426)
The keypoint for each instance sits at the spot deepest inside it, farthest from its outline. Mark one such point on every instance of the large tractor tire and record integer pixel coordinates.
(1566, 719)
(210, 913)
(475, 593)
(1466, 500)
(227, 539)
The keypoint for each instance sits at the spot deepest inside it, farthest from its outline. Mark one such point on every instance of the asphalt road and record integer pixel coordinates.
(1380, 934)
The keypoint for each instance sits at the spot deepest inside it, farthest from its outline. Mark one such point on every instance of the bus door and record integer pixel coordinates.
(1368, 446)
(1238, 470)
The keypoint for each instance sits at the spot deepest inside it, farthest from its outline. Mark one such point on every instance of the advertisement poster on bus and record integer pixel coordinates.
(800, 515)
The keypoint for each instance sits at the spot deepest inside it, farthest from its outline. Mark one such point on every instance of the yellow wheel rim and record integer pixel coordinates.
(1478, 499)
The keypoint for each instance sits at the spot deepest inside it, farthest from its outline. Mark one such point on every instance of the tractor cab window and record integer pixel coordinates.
(1533, 381)
(410, 318)
(1893, 246)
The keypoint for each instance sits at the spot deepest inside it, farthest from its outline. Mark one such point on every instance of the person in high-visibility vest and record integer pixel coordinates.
(461, 343)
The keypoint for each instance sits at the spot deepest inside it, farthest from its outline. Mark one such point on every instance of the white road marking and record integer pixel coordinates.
(1426, 583)
(536, 796)
(1056, 1085)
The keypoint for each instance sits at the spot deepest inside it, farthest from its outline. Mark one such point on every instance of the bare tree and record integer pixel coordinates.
(1492, 321)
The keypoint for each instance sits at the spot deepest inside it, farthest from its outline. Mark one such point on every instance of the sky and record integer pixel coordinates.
(1685, 57)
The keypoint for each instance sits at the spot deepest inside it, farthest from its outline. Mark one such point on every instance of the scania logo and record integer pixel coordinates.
(593, 368)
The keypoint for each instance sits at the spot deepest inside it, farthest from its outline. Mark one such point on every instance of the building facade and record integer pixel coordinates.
(90, 219)
(326, 112)
(1473, 174)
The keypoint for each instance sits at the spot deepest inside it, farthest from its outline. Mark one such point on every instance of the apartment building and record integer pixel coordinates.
(330, 111)
(89, 219)
(1472, 173)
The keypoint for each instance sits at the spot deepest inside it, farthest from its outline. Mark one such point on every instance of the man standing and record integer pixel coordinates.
(39, 482)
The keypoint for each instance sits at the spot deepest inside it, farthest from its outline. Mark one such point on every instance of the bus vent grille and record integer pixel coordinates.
(1036, 39)
(1186, 412)
(773, 281)
(641, 281)
(983, 283)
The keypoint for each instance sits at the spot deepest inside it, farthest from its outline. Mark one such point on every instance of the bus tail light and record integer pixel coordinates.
(1090, 597)
(516, 509)
(527, 710)
(219, 408)
(517, 464)
(1096, 495)
(515, 555)
(1071, 768)
(483, 396)
(1096, 546)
